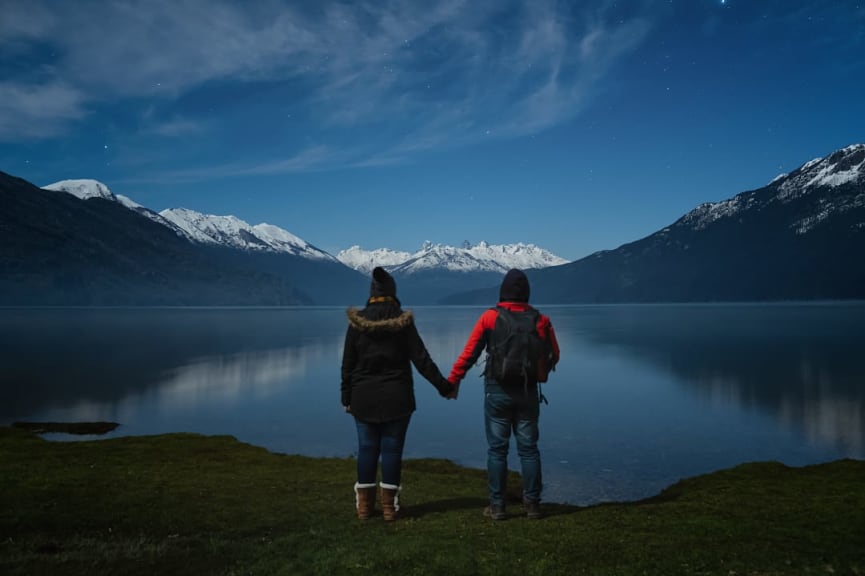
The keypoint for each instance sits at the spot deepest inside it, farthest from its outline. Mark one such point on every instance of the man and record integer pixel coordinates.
(521, 351)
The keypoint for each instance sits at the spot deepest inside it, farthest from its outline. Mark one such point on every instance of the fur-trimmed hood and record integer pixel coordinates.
(356, 320)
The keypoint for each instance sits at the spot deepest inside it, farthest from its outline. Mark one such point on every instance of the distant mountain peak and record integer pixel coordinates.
(365, 260)
(482, 257)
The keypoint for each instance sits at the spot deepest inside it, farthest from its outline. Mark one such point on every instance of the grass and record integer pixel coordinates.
(190, 504)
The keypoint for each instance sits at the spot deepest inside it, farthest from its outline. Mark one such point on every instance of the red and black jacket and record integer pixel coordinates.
(479, 339)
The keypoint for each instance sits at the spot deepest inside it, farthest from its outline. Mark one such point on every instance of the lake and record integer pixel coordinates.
(644, 394)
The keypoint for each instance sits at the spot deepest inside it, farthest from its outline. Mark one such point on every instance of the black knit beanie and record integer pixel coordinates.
(515, 287)
(383, 283)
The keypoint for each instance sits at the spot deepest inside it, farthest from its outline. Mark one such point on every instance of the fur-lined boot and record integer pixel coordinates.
(364, 495)
(389, 501)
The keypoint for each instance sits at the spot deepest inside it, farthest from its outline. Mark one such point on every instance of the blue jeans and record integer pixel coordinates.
(516, 411)
(385, 439)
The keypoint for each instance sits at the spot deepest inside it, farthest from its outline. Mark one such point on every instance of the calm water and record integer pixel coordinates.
(643, 396)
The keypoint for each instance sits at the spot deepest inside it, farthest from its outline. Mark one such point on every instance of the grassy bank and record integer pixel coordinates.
(189, 504)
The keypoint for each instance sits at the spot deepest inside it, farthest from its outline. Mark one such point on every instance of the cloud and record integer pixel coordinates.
(307, 160)
(32, 112)
(418, 74)
(176, 127)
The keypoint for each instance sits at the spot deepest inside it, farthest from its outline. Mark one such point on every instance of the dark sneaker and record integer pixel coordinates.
(495, 511)
(533, 510)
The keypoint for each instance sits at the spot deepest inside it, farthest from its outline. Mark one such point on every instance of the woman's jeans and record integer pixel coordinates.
(385, 439)
(507, 410)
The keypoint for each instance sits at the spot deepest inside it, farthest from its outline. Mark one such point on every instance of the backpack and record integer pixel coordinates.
(515, 348)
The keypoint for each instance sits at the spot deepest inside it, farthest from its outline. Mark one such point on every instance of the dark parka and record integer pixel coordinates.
(381, 344)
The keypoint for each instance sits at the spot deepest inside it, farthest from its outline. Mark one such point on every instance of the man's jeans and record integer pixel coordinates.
(385, 439)
(516, 410)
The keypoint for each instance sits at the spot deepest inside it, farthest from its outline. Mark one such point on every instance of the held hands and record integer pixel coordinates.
(445, 388)
(448, 389)
(454, 392)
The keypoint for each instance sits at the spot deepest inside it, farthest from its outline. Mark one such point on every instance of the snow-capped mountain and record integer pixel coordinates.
(87, 189)
(800, 237)
(233, 232)
(481, 257)
(227, 231)
(365, 260)
(84, 189)
(845, 166)
(59, 250)
(425, 275)
(519, 255)
(236, 233)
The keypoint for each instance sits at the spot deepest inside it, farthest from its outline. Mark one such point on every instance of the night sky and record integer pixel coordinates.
(576, 126)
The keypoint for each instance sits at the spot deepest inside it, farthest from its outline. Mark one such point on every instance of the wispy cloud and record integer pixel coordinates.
(421, 75)
(38, 111)
(308, 160)
(174, 127)
(152, 123)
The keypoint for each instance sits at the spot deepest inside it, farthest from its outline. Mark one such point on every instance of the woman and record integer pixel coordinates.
(377, 389)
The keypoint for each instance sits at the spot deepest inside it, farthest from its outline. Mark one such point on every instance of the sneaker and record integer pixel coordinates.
(495, 511)
(533, 509)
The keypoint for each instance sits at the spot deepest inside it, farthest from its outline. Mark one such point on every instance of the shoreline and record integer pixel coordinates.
(195, 504)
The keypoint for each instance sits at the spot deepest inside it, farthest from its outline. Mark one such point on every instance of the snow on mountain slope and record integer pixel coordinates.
(840, 167)
(481, 257)
(87, 189)
(365, 260)
(234, 232)
(845, 166)
(438, 256)
(84, 189)
(204, 228)
(519, 255)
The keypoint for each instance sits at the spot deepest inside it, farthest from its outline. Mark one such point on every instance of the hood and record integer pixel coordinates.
(395, 324)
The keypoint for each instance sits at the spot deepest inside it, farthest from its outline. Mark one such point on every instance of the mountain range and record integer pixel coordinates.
(436, 270)
(207, 229)
(59, 250)
(75, 242)
(800, 237)
(481, 257)
(247, 264)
